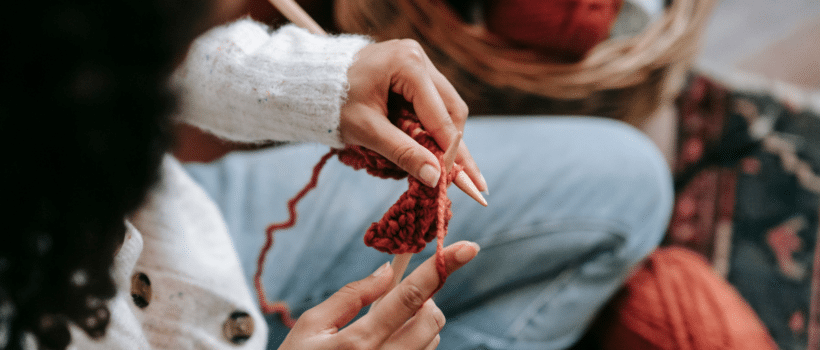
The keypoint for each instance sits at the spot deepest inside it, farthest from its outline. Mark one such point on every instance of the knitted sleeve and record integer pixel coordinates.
(243, 83)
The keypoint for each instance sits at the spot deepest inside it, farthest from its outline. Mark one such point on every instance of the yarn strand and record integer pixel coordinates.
(281, 308)
(441, 223)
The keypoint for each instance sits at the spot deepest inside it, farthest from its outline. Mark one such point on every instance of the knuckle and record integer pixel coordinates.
(411, 51)
(349, 343)
(442, 129)
(412, 297)
(404, 155)
(360, 341)
(352, 293)
(460, 112)
(311, 316)
(368, 344)
(438, 318)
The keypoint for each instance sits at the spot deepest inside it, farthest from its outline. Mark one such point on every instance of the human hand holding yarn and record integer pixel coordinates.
(405, 69)
(418, 216)
(398, 67)
(406, 318)
(402, 67)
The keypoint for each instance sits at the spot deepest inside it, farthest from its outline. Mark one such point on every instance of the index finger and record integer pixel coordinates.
(457, 112)
(420, 90)
(403, 301)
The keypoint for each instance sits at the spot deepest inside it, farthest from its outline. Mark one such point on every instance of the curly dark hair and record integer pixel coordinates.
(85, 121)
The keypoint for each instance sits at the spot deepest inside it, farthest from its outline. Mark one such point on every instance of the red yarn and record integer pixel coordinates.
(567, 29)
(675, 300)
(407, 226)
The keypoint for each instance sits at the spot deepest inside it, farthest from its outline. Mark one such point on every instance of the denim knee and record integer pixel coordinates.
(641, 185)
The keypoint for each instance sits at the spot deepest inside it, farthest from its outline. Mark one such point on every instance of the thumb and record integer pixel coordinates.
(345, 304)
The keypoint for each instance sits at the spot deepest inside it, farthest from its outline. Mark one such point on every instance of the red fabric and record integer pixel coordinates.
(568, 29)
(413, 220)
(421, 214)
(676, 301)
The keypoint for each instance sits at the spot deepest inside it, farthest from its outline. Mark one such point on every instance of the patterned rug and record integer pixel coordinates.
(747, 185)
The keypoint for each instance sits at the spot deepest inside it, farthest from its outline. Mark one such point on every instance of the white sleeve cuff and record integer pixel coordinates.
(242, 83)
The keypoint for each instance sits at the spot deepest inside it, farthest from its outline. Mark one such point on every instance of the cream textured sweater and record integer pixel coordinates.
(243, 83)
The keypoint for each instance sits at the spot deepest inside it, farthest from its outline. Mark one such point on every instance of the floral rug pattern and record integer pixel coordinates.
(747, 198)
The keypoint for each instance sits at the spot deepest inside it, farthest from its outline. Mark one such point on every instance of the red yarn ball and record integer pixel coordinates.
(566, 29)
(675, 300)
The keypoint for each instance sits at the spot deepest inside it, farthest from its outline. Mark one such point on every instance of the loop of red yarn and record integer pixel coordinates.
(281, 308)
(676, 301)
(419, 215)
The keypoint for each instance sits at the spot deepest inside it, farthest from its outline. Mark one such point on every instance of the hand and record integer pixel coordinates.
(401, 66)
(406, 318)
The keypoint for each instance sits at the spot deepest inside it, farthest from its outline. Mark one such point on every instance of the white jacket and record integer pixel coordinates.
(180, 284)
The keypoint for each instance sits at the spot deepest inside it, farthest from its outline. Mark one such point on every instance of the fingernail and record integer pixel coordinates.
(429, 175)
(483, 184)
(381, 269)
(467, 252)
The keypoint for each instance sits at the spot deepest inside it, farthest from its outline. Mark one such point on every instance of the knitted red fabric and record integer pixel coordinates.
(407, 226)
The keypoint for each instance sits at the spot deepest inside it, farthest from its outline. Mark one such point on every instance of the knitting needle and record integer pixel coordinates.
(463, 182)
(292, 11)
(400, 261)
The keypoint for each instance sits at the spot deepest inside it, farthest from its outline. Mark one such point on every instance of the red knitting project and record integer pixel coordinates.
(407, 226)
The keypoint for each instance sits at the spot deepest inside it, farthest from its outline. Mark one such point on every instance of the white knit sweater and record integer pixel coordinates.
(243, 83)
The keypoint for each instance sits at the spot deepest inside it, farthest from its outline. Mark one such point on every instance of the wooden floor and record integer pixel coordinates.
(795, 59)
(776, 38)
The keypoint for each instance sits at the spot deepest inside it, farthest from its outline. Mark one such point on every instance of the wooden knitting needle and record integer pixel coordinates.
(292, 11)
(463, 182)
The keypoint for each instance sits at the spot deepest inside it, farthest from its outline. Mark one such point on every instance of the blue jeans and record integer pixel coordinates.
(575, 204)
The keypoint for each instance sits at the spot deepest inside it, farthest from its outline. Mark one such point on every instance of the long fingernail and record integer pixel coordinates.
(429, 175)
(467, 252)
(381, 269)
(483, 184)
